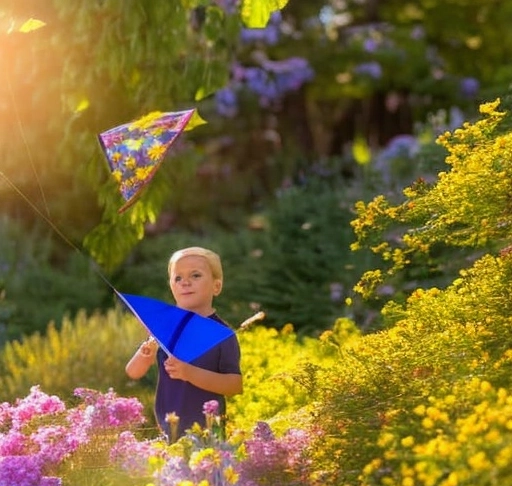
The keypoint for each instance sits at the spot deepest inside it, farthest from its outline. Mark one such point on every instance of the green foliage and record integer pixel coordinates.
(36, 286)
(301, 265)
(91, 67)
(423, 382)
(291, 261)
(85, 352)
(91, 352)
(468, 206)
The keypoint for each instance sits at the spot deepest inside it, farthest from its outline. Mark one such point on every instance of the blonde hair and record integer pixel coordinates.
(211, 257)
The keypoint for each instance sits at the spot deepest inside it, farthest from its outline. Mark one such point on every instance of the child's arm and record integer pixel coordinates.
(143, 358)
(227, 384)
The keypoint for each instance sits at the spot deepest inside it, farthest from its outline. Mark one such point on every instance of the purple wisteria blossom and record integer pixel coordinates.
(226, 102)
(469, 87)
(372, 69)
(270, 82)
(268, 35)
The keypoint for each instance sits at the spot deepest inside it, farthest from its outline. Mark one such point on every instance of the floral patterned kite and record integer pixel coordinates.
(135, 150)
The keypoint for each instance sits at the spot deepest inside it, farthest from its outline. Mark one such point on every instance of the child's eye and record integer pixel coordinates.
(196, 275)
(177, 278)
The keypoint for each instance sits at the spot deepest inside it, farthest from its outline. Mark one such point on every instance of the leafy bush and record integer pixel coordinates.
(398, 395)
(38, 284)
(426, 401)
(85, 352)
(92, 352)
(291, 260)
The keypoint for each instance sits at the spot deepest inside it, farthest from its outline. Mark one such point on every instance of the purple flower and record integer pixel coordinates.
(268, 35)
(469, 87)
(226, 101)
(132, 456)
(36, 403)
(372, 69)
(272, 460)
(211, 407)
(370, 45)
(14, 443)
(107, 410)
(20, 470)
(55, 443)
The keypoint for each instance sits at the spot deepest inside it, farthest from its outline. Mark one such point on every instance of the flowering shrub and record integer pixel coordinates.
(467, 207)
(44, 444)
(269, 460)
(38, 434)
(204, 458)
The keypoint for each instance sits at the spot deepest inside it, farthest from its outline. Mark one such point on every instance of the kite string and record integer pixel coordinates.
(46, 216)
(25, 143)
(55, 228)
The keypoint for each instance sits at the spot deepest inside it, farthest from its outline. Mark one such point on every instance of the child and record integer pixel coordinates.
(195, 277)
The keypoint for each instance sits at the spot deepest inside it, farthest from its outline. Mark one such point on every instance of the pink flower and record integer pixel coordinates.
(211, 407)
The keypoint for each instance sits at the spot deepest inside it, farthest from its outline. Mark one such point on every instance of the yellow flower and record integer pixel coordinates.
(141, 173)
(427, 423)
(230, 475)
(209, 453)
(479, 461)
(490, 108)
(451, 480)
(385, 439)
(372, 466)
(131, 163)
(408, 441)
(419, 410)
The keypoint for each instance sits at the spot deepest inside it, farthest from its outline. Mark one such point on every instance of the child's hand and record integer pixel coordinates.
(176, 368)
(148, 347)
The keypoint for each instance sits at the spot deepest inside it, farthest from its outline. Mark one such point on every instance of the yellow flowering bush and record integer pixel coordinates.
(426, 401)
(467, 206)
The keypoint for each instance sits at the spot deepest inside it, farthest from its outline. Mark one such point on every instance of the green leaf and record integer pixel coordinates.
(256, 13)
(109, 243)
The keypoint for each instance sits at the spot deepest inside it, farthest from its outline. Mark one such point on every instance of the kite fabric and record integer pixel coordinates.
(179, 332)
(135, 150)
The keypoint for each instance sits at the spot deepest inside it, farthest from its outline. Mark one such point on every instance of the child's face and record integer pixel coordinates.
(192, 284)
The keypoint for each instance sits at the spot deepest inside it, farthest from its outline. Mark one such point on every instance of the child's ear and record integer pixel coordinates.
(217, 287)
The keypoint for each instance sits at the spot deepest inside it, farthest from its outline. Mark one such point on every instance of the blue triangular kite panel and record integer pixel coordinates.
(179, 332)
